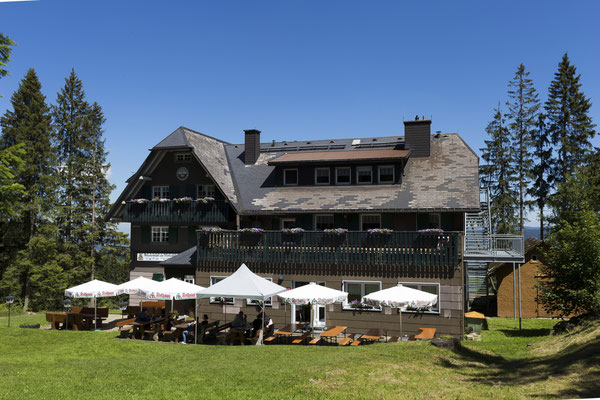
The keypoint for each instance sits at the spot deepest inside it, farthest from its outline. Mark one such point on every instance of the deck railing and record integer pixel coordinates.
(351, 248)
(214, 211)
(493, 246)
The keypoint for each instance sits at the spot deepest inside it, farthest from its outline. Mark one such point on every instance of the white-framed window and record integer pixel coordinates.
(189, 279)
(342, 175)
(321, 176)
(290, 177)
(370, 221)
(288, 223)
(161, 192)
(429, 287)
(219, 300)
(205, 191)
(386, 174)
(323, 221)
(160, 234)
(183, 157)
(356, 290)
(364, 175)
(257, 302)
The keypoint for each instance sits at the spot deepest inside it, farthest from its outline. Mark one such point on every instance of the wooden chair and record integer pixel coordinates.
(425, 334)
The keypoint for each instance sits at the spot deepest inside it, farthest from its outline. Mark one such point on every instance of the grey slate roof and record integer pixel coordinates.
(177, 139)
(448, 180)
(211, 154)
(185, 258)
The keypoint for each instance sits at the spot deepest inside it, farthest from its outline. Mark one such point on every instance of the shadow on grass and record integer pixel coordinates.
(525, 332)
(575, 361)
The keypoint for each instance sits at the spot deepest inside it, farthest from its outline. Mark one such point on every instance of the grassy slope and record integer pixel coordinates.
(50, 364)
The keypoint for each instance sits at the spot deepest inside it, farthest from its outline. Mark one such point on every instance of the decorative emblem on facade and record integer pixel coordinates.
(182, 173)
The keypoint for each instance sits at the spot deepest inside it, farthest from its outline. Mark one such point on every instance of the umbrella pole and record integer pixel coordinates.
(400, 312)
(196, 324)
(260, 334)
(95, 313)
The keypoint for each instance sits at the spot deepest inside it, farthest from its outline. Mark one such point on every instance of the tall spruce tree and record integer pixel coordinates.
(523, 106)
(28, 125)
(84, 187)
(70, 118)
(569, 124)
(5, 49)
(498, 173)
(542, 178)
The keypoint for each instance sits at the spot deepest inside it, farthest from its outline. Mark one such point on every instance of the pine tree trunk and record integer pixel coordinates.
(93, 223)
(29, 226)
(542, 223)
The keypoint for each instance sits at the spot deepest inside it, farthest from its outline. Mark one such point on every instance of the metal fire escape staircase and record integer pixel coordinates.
(482, 246)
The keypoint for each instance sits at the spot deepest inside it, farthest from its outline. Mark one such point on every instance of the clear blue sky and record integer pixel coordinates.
(294, 69)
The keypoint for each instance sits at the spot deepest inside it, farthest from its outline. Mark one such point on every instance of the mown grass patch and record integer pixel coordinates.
(52, 365)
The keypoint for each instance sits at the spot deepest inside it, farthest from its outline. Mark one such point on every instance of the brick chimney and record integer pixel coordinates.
(417, 137)
(251, 146)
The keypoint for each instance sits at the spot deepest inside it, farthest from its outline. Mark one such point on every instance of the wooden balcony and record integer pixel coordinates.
(350, 248)
(171, 211)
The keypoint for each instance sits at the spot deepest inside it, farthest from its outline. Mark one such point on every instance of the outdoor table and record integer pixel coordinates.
(141, 326)
(289, 330)
(374, 334)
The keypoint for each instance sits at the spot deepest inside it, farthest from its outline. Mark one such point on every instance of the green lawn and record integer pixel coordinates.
(65, 365)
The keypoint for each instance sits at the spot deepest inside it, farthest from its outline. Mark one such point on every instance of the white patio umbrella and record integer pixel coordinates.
(92, 290)
(313, 294)
(401, 297)
(176, 289)
(135, 285)
(244, 284)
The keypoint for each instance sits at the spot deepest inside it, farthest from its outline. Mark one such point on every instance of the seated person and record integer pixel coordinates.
(190, 331)
(239, 323)
(143, 316)
(258, 323)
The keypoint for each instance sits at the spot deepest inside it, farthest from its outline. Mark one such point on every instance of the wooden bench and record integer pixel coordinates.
(302, 338)
(347, 340)
(125, 327)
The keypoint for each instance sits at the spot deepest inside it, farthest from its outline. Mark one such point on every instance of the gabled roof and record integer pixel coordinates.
(209, 152)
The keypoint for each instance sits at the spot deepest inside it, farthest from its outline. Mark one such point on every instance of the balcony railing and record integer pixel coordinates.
(194, 211)
(351, 248)
(494, 247)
